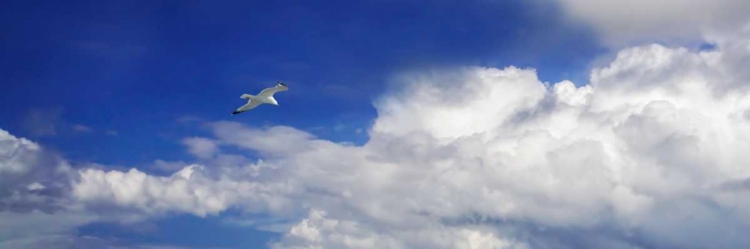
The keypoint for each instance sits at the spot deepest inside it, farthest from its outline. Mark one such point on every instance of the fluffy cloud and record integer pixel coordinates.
(201, 147)
(317, 231)
(34, 187)
(650, 154)
(189, 190)
(628, 22)
(29, 178)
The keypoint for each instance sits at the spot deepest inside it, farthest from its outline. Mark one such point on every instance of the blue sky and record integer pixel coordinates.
(136, 67)
(120, 83)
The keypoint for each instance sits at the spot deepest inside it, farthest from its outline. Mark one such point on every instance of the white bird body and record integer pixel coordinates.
(264, 97)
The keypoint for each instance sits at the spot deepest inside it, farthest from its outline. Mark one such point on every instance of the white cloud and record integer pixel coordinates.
(639, 156)
(16, 153)
(153, 195)
(35, 186)
(194, 190)
(319, 231)
(622, 23)
(462, 109)
(201, 147)
(275, 141)
(29, 178)
(650, 154)
(168, 166)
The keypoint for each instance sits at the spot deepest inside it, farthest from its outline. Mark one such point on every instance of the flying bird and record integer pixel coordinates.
(264, 97)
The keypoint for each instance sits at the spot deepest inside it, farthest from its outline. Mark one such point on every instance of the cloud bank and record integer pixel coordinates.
(650, 154)
(623, 23)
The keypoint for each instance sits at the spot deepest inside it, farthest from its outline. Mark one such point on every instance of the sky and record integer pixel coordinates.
(407, 124)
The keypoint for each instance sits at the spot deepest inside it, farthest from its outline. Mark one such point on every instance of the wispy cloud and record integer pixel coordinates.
(43, 122)
(201, 147)
(82, 128)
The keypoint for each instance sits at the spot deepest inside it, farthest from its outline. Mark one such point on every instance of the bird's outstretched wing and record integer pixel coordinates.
(250, 105)
(268, 92)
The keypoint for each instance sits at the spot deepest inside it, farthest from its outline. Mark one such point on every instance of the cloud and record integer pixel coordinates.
(76, 241)
(48, 122)
(650, 154)
(201, 147)
(37, 205)
(137, 191)
(317, 231)
(42, 122)
(169, 166)
(34, 194)
(26, 227)
(622, 23)
(81, 128)
(30, 179)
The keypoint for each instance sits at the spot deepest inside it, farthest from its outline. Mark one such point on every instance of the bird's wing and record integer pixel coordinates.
(268, 92)
(250, 105)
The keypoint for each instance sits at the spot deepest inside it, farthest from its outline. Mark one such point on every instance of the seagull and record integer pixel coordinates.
(264, 97)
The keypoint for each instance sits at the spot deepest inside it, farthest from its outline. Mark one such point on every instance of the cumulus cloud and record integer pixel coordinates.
(318, 231)
(34, 194)
(189, 190)
(29, 178)
(650, 154)
(622, 23)
(38, 208)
